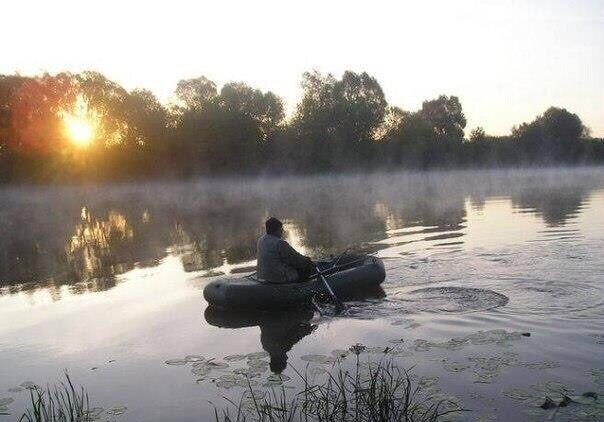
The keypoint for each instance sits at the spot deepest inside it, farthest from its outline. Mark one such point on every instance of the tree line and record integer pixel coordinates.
(339, 124)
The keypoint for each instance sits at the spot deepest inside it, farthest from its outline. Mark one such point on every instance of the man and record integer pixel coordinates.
(278, 262)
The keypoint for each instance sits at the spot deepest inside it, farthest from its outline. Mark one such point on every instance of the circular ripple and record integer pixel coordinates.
(454, 299)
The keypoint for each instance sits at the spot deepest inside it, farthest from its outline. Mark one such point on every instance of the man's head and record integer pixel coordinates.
(274, 227)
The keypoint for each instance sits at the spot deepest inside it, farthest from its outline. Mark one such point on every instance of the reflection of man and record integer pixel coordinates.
(278, 262)
(279, 337)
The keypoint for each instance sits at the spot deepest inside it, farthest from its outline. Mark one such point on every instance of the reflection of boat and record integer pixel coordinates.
(279, 331)
(350, 275)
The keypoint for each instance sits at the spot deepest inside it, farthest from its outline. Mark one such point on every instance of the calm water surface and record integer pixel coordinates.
(107, 282)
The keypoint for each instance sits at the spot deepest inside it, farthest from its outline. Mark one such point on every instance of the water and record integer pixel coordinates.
(107, 282)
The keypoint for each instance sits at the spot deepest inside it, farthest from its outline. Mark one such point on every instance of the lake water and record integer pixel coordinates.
(107, 283)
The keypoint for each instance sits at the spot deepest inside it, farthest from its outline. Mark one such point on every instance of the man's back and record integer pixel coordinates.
(278, 262)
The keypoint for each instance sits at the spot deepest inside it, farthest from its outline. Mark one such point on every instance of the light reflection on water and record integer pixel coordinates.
(93, 275)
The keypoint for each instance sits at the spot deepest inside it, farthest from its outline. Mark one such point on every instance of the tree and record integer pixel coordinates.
(266, 109)
(477, 134)
(446, 116)
(554, 135)
(196, 93)
(336, 119)
(409, 138)
(220, 132)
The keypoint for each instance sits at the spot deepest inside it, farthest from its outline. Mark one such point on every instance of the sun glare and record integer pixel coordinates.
(80, 123)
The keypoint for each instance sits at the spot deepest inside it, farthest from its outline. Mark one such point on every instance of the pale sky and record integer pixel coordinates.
(507, 60)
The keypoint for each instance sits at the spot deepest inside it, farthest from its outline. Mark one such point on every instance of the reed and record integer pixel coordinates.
(62, 402)
(383, 392)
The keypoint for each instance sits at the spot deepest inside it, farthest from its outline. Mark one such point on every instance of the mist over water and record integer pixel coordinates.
(93, 274)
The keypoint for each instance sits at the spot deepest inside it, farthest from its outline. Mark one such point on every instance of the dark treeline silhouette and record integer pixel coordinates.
(338, 124)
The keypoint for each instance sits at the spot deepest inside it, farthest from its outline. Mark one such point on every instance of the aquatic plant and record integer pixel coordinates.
(62, 402)
(379, 392)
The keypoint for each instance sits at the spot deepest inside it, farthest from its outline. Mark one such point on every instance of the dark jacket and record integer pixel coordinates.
(278, 262)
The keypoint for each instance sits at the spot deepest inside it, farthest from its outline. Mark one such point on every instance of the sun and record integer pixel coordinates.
(80, 131)
(80, 123)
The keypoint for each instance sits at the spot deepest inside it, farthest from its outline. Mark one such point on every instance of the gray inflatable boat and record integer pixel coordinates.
(349, 277)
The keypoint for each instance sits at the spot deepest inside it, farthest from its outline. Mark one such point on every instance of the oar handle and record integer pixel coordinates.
(328, 287)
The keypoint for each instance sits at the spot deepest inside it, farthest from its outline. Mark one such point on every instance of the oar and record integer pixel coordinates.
(338, 302)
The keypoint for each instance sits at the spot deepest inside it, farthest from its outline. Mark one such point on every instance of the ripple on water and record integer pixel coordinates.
(451, 299)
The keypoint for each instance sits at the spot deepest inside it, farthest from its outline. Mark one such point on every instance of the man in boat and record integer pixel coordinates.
(278, 262)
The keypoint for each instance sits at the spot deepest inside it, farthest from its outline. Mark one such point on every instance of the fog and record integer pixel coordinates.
(85, 235)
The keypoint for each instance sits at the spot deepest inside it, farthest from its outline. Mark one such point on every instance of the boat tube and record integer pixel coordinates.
(347, 276)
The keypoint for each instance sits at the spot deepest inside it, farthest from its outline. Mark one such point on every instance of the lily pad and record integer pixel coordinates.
(279, 378)
(95, 413)
(214, 364)
(234, 358)
(250, 372)
(257, 364)
(232, 380)
(541, 365)
(6, 401)
(401, 322)
(454, 366)
(321, 359)
(426, 382)
(176, 362)
(201, 370)
(28, 384)
(597, 376)
(340, 353)
(377, 350)
(257, 355)
(116, 410)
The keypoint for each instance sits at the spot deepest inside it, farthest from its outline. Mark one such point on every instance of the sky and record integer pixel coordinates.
(507, 60)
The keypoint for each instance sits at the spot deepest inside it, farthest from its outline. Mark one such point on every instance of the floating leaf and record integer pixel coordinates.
(597, 376)
(6, 401)
(340, 353)
(257, 364)
(402, 322)
(257, 355)
(278, 378)
(322, 359)
(116, 410)
(234, 358)
(426, 382)
(541, 365)
(454, 366)
(377, 350)
(28, 384)
(176, 362)
(213, 364)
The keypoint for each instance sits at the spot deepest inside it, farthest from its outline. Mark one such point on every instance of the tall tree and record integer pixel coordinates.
(336, 117)
(446, 116)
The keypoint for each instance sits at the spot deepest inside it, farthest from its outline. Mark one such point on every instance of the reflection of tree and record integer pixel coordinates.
(93, 250)
(555, 205)
(46, 239)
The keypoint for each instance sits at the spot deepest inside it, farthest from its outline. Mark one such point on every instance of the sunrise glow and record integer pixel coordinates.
(80, 123)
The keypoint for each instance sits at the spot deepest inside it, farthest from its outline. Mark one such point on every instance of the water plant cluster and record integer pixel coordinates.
(381, 391)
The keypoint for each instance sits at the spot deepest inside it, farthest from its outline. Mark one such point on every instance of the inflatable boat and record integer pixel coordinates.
(348, 276)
